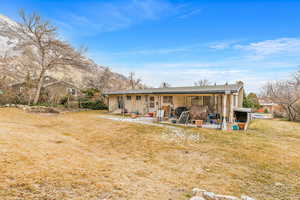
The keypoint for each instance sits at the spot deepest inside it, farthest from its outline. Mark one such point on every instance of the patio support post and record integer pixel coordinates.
(236, 100)
(231, 109)
(123, 105)
(215, 103)
(224, 106)
(159, 108)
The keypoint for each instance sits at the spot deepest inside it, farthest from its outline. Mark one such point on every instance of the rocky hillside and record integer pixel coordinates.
(77, 75)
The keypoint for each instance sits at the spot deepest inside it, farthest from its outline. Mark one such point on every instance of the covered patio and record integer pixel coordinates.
(208, 105)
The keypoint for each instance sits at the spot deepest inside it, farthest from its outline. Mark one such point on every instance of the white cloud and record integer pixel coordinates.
(221, 45)
(152, 51)
(186, 77)
(231, 68)
(110, 16)
(260, 50)
(255, 50)
(172, 50)
(180, 65)
(186, 73)
(190, 13)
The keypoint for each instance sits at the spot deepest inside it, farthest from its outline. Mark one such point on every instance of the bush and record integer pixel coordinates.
(90, 92)
(64, 100)
(266, 110)
(8, 97)
(94, 105)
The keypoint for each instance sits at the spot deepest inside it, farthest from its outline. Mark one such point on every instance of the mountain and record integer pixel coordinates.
(73, 74)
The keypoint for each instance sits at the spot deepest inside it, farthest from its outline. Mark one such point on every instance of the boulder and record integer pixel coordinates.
(40, 109)
(278, 184)
(209, 195)
(198, 192)
(197, 198)
(244, 197)
(225, 197)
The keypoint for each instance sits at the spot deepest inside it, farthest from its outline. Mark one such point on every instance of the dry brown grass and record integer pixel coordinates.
(80, 156)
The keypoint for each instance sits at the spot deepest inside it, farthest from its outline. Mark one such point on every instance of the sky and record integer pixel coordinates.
(178, 41)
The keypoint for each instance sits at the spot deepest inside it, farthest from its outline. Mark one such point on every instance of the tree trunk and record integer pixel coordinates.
(39, 88)
(29, 100)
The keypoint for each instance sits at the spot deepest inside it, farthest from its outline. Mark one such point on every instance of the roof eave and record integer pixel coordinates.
(173, 92)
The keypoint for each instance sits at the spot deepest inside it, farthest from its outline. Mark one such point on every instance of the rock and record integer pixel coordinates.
(209, 195)
(198, 192)
(278, 184)
(244, 197)
(197, 198)
(225, 197)
(41, 109)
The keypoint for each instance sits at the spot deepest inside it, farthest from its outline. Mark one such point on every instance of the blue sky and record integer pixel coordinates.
(180, 41)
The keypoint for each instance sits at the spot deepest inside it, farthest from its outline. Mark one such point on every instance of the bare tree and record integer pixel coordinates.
(134, 82)
(165, 85)
(100, 80)
(39, 43)
(296, 77)
(203, 82)
(104, 79)
(285, 93)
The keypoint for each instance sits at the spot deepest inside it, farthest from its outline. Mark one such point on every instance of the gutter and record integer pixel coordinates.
(170, 92)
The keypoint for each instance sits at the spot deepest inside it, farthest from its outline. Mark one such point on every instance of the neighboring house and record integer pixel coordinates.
(223, 98)
(269, 106)
(59, 89)
(53, 88)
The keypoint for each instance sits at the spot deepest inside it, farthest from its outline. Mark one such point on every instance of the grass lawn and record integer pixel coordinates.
(80, 156)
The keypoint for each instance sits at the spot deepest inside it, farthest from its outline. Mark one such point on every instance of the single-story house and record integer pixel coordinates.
(59, 89)
(53, 88)
(221, 98)
(269, 106)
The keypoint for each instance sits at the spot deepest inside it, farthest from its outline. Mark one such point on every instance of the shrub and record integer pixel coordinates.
(64, 100)
(9, 97)
(90, 92)
(266, 110)
(94, 105)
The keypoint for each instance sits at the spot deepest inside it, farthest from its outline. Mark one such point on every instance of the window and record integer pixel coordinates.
(138, 98)
(71, 91)
(206, 100)
(197, 101)
(128, 98)
(21, 89)
(167, 99)
(152, 104)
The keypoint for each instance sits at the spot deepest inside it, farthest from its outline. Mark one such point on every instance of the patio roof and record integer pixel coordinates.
(210, 89)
